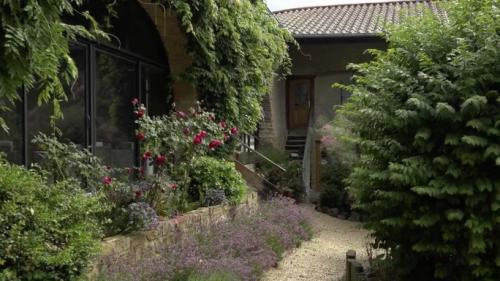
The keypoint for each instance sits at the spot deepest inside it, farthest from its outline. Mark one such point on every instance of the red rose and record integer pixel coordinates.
(234, 130)
(138, 194)
(146, 155)
(134, 101)
(140, 136)
(139, 113)
(223, 124)
(160, 160)
(203, 134)
(186, 131)
(197, 139)
(107, 180)
(181, 114)
(173, 186)
(214, 144)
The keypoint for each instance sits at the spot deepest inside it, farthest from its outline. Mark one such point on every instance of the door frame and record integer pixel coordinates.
(311, 79)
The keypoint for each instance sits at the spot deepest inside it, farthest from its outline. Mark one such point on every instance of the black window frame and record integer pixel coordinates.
(91, 49)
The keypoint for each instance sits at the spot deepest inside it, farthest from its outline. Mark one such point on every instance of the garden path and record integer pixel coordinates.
(322, 258)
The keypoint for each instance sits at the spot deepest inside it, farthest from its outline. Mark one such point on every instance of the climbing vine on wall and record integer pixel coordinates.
(34, 50)
(237, 48)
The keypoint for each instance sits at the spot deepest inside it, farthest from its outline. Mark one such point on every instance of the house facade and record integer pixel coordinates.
(330, 38)
(146, 49)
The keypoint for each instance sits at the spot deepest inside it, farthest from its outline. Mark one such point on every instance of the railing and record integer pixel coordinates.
(306, 160)
(248, 144)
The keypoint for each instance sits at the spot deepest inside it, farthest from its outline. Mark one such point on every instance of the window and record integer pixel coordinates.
(11, 142)
(98, 114)
(116, 86)
(72, 127)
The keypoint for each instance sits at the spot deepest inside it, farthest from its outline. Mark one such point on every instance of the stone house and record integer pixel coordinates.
(330, 38)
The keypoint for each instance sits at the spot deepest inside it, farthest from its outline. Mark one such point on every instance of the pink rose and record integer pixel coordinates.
(197, 139)
(140, 136)
(147, 155)
(160, 160)
(107, 180)
(214, 144)
(181, 114)
(134, 101)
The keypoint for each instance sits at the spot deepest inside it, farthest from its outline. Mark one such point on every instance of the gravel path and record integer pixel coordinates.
(322, 258)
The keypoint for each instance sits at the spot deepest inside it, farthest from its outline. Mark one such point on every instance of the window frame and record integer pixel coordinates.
(91, 49)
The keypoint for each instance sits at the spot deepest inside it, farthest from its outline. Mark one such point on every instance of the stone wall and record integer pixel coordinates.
(142, 244)
(175, 44)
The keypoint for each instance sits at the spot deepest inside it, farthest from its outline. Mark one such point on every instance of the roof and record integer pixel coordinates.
(349, 20)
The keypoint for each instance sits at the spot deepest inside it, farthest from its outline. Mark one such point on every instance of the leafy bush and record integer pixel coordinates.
(238, 250)
(115, 187)
(209, 173)
(340, 156)
(68, 161)
(426, 117)
(215, 197)
(289, 180)
(49, 231)
(142, 216)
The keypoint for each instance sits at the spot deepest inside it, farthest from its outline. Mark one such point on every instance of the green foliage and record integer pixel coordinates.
(341, 155)
(69, 161)
(210, 173)
(237, 47)
(425, 115)
(34, 50)
(49, 231)
(287, 181)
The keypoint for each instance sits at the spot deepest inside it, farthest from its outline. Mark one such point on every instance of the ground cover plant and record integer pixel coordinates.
(425, 115)
(240, 249)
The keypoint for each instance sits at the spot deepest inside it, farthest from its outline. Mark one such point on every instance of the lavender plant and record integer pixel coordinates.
(238, 250)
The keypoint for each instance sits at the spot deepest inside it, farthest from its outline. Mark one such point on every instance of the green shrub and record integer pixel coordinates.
(48, 232)
(290, 180)
(209, 173)
(426, 117)
(333, 187)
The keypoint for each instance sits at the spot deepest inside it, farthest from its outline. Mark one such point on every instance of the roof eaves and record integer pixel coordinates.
(337, 36)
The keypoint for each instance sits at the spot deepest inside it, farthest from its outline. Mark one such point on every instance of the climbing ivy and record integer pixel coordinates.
(34, 50)
(237, 47)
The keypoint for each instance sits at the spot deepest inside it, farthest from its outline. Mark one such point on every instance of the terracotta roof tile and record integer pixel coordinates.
(350, 20)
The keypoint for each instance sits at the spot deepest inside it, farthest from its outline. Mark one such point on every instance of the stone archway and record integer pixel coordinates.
(174, 41)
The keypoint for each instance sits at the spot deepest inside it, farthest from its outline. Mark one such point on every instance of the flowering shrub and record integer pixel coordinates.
(170, 145)
(142, 216)
(62, 162)
(235, 250)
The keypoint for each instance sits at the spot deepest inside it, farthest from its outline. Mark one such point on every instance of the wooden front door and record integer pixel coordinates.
(299, 100)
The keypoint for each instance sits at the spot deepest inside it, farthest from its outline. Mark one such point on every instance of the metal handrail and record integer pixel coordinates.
(262, 156)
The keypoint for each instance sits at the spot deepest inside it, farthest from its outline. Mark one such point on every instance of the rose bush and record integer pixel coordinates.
(173, 146)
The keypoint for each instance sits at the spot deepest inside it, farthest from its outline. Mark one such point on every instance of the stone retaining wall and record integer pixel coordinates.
(139, 245)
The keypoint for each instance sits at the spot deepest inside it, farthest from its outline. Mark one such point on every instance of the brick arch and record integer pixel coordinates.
(174, 42)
